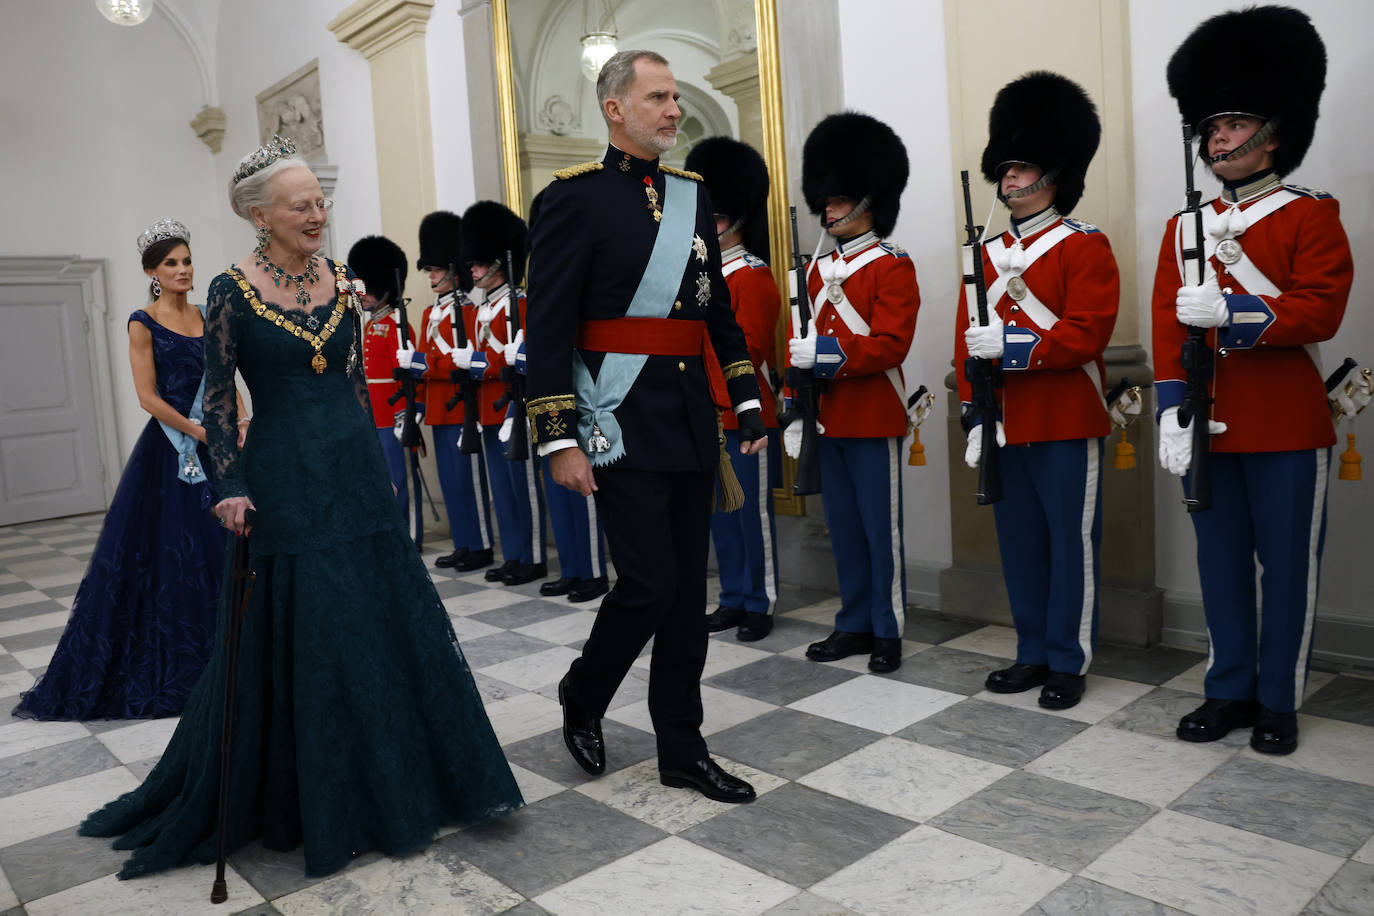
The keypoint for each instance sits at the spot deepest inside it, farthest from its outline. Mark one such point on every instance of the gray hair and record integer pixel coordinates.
(252, 191)
(613, 82)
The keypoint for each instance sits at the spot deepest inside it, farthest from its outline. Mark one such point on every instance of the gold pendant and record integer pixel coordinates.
(318, 363)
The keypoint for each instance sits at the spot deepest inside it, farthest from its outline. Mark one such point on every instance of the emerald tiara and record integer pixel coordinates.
(278, 147)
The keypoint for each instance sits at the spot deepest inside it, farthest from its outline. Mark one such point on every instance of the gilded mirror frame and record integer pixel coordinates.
(774, 154)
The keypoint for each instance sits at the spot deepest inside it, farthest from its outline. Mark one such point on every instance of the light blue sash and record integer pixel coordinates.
(596, 400)
(189, 470)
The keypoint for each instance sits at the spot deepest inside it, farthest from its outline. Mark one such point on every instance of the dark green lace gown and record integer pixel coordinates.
(358, 726)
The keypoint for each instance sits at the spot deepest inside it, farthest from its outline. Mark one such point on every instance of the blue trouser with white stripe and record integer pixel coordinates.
(1049, 529)
(463, 481)
(746, 541)
(514, 493)
(396, 464)
(1270, 505)
(576, 531)
(861, 486)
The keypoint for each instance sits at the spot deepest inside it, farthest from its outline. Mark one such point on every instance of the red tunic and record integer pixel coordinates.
(439, 390)
(755, 300)
(1047, 394)
(1268, 390)
(491, 330)
(381, 340)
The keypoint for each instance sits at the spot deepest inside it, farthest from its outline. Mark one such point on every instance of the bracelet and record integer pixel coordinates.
(245, 420)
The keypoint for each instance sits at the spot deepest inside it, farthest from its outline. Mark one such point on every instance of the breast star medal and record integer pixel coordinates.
(699, 248)
(1016, 288)
(1228, 251)
(703, 289)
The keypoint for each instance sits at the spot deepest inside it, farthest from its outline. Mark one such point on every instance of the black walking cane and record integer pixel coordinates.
(240, 589)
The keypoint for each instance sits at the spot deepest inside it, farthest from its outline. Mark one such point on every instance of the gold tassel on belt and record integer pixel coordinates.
(1350, 461)
(731, 493)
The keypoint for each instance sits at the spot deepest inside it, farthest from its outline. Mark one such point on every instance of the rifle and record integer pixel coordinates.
(518, 447)
(983, 375)
(469, 441)
(805, 386)
(410, 428)
(1196, 355)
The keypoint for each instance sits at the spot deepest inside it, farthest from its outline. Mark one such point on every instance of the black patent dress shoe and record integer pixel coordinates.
(582, 733)
(1215, 719)
(557, 587)
(1062, 691)
(587, 589)
(498, 573)
(1275, 732)
(1017, 679)
(449, 560)
(754, 627)
(886, 656)
(723, 618)
(840, 645)
(475, 559)
(710, 780)
(521, 573)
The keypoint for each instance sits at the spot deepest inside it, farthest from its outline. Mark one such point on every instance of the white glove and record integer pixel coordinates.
(973, 453)
(917, 413)
(507, 425)
(462, 357)
(803, 351)
(512, 349)
(985, 342)
(1202, 306)
(1352, 394)
(407, 358)
(1125, 408)
(792, 439)
(1176, 442)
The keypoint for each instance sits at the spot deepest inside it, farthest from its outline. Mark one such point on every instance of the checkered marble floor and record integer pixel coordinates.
(913, 793)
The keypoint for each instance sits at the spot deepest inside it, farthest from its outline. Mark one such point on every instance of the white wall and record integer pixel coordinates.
(97, 146)
(897, 73)
(449, 121)
(1339, 162)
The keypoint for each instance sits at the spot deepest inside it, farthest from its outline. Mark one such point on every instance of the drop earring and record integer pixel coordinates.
(264, 236)
(157, 289)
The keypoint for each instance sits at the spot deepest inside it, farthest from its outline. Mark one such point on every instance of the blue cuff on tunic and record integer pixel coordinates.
(830, 358)
(1250, 318)
(1017, 346)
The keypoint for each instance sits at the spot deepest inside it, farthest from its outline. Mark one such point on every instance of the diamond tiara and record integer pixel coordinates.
(162, 229)
(278, 147)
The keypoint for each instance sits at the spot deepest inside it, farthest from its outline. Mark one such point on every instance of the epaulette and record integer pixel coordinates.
(681, 173)
(1079, 226)
(582, 168)
(893, 248)
(754, 260)
(1309, 192)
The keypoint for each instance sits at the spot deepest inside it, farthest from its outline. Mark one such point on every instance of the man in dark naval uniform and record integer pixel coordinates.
(632, 350)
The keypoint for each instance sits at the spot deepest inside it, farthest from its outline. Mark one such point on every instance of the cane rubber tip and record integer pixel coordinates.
(219, 893)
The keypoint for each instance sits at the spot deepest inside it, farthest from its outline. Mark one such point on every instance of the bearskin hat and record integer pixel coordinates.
(1049, 121)
(737, 179)
(375, 259)
(1284, 85)
(489, 231)
(441, 234)
(856, 156)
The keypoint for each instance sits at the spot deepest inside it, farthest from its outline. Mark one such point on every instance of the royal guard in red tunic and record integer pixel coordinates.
(491, 231)
(745, 541)
(462, 478)
(1277, 275)
(864, 301)
(1052, 293)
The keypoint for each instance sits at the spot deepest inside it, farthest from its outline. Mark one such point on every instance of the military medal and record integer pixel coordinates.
(703, 289)
(1016, 288)
(318, 363)
(834, 292)
(191, 469)
(652, 193)
(598, 441)
(699, 248)
(1228, 251)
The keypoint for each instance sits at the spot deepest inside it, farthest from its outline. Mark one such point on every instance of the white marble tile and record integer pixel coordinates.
(877, 703)
(532, 671)
(41, 811)
(809, 904)
(533, 787)
(904, 778)
(721, 655)
(15, 552)
(66, 578)
(562, 631)
(426, 884)
(1316, 680)
(35, 658)
(54, 528)
(722, 709)
(11, 541)
(1213, 870)
(28, 570)
(519, 717)
(678, 876)
(637, 792)
(33, 624)
(65, 601)
(477, 602)
(1365, 853)
(1330, 747)
(8, 898)
(465, 628)
(930, 871)
(1189, 681)
(859, 662)
(1130, 764)
(15, 599)
(822, 612)
(12, 683)
(179, 892)
(989, 640)
(137, 742)
(23, 735)
(69, 538)
(1103, 696)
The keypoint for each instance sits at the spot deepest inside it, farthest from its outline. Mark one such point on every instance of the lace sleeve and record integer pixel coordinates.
(223, 332)
(355, 323)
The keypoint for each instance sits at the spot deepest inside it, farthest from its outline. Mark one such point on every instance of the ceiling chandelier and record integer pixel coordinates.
(125, 12)
(598, 39)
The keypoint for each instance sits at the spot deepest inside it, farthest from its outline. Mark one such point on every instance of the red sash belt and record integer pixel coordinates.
(656, 337)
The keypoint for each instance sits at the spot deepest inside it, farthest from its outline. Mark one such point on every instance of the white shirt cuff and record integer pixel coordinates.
(751, 404)
(548, 448)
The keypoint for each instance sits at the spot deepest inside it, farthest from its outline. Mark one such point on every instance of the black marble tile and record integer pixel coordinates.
(524, 613)
(276, 874)
(1350, 699)
(788, 633)
(48, 765)
(1146, 666)
(20, 611)
(501, 647)
(952, 670)
(9, 588)
(22, 642)
(451, 588)
(990, 731)
(57, 861)
(790, 743)
(1350, 892)
(528, 908)
(547, 756)
(780, 680)
(262, 909)
(925, 626)
(1081, 897)
(1157, 713)
(9, 664)
(61, 591)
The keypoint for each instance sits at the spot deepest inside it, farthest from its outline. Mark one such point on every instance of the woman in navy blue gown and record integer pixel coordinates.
(143, 620)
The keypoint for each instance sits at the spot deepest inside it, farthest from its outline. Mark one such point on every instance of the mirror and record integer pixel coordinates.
(724, 56)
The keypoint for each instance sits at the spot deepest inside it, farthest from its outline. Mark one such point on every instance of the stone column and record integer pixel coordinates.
(540, 154)
(738, 78)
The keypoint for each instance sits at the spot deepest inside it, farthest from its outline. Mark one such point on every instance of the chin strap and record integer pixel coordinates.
(1256, 139)
(1045, 180)
(731, 229)
(859, 210)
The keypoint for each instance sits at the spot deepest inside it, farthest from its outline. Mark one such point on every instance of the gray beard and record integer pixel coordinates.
(647, 137)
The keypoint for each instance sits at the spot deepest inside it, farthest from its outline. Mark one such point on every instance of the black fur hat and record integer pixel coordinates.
(737, 178)
(1283, 83)
(489, 231)
(1049, 121)
(856, 156)
(375, 259)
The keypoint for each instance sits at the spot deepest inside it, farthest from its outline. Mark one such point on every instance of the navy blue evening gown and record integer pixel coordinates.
(143, 620)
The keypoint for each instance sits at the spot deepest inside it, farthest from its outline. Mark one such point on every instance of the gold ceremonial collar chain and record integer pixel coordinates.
(316, 341)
